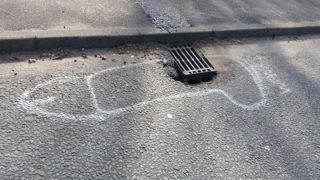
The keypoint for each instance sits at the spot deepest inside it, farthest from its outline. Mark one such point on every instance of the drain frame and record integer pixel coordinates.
(191, 64)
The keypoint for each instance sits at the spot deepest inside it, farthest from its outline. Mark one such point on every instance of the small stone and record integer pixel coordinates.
(75, 60)
(113, 60)
(15, 74)
(169, 116)
(31, 61)
(84, 57)
(103, 58)
(124, 62)
(95, 55)
(267, 148)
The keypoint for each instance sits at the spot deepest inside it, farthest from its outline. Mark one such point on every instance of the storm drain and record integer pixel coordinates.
(192, 66)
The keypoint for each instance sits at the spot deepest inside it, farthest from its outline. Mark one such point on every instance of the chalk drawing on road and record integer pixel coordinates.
(33, 106)
(259, 62)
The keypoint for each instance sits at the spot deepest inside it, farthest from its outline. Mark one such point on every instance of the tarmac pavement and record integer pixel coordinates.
(117, 113)
(16, 15)
(70, 15)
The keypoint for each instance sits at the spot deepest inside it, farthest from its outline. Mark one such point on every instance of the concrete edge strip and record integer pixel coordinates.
(40, 40)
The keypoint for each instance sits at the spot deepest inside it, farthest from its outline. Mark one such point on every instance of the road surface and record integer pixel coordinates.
(121, 116)
(16, 15)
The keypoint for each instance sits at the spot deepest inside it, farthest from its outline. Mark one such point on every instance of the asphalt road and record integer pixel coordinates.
(165, 14)
(65, 15)
(126, 118)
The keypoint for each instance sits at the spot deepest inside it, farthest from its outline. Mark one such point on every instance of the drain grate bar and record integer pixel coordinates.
(191, 64)
(180, 61)
(182, 55)
(203, 60)
(196, 65)
(191, 55)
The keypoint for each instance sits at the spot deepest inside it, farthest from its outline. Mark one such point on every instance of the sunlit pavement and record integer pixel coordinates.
(116, 113)
(17, 15)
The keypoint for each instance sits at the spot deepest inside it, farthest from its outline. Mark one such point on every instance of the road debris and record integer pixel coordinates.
(30, 61)
(60, 56)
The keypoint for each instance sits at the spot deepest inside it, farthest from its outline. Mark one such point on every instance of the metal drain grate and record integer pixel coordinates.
(192, 65)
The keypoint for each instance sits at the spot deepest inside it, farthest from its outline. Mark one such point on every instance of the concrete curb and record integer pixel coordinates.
(97, 38)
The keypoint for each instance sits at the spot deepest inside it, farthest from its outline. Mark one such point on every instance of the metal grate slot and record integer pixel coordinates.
(191, 65)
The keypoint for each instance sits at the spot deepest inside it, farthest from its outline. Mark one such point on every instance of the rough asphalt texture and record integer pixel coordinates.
(201, 137)
(165, 14)
(66, 15)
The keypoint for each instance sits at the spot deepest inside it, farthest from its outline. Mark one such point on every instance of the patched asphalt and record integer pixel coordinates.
(126, 118)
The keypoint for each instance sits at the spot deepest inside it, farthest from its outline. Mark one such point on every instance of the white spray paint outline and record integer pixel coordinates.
(33, 108)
